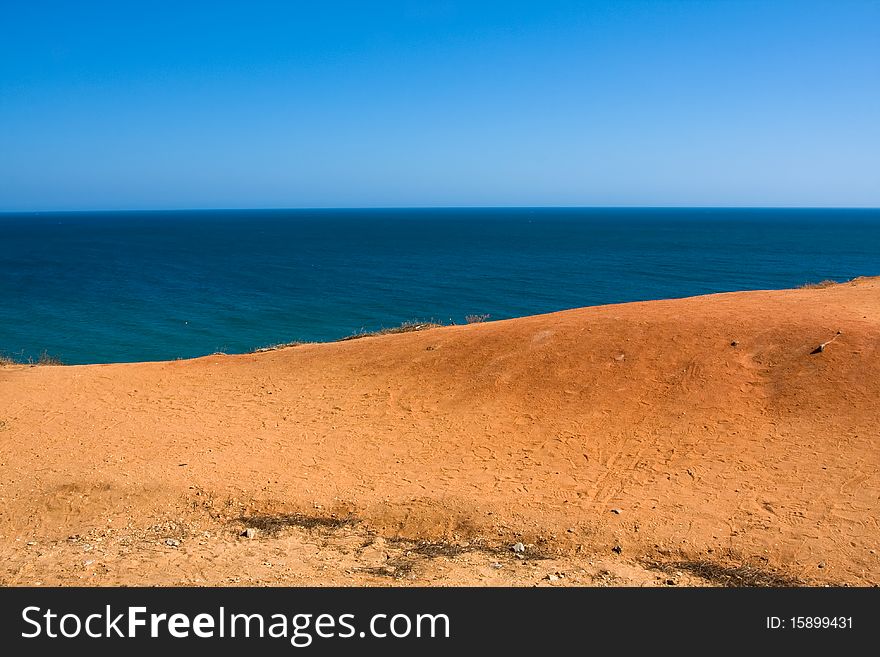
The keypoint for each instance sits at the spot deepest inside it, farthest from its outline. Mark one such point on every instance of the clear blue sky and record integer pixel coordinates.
(140, 105)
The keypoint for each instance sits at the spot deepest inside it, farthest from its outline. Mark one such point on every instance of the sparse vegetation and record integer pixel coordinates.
(406, 327)
(816, 286)
(273, 524)
(45, 358)
(275, 347)
(728, 575)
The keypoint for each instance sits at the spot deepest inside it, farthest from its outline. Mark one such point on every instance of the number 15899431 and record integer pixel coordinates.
(810, 623)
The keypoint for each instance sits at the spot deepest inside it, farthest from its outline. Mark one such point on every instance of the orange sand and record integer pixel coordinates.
(419, 458)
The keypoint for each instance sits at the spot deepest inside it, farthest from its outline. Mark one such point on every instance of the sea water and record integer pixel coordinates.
(130, 286)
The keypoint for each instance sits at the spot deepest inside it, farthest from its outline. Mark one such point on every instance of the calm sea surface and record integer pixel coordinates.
(103, 287)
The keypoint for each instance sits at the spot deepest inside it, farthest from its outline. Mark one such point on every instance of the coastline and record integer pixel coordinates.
(136, 287)
(411, 326)
(693, 440)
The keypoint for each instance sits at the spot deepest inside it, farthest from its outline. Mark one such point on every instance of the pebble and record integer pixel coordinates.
(616, 511)
(617, 549)
(497, 565)
(552, 578)
(519, 548)
(250, 532)
(172, 542)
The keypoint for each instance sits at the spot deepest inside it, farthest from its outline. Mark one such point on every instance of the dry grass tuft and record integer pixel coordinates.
(819, 285)
(406, 327)
(275, 347)
(733, 576)
(46, 358)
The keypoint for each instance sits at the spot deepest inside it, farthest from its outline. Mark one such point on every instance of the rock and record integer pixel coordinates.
(734, 343)
(519, 548)
(552, 578)
(496, 565)
(172, 542)
(250, 532)
(617, 549)
(821, 347)
(616, 511)
(620, 357)
(821, 564)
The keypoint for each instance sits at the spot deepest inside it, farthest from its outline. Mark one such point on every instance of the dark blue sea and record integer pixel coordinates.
(131, 286)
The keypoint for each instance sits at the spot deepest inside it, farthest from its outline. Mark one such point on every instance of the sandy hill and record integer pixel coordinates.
(690, 441)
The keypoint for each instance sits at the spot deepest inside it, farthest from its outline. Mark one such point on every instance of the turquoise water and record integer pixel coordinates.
(103, 287)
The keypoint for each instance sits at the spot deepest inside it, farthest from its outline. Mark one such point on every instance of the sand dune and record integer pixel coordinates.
(691, 441)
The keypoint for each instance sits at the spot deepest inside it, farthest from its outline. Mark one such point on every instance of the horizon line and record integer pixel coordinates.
(330, 208)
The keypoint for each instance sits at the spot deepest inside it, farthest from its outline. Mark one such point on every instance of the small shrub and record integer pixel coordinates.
(275, 347)
(819, 285)
(406, 327)
(476, 319)
(46, 358)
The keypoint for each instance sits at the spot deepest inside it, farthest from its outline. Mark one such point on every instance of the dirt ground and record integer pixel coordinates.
(685, 442)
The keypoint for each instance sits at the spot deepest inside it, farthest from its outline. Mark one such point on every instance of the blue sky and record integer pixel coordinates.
(136, 105)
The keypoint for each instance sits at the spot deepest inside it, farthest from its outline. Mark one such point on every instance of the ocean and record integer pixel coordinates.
(131, 286)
